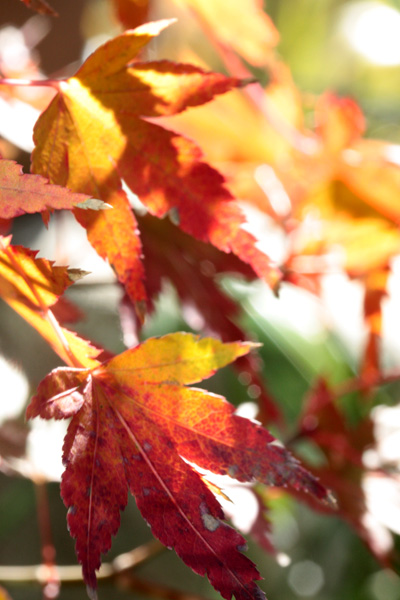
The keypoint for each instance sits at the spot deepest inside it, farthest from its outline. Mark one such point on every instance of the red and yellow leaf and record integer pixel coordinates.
(133, 424)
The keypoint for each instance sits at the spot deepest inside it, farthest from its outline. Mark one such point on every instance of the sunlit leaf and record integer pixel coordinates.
(96, 127)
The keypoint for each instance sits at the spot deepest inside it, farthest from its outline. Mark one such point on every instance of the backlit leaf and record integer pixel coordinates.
(96, 133)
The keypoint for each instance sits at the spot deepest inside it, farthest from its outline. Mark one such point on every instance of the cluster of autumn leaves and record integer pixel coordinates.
(105, 135)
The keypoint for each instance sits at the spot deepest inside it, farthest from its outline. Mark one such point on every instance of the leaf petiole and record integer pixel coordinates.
(30, 82)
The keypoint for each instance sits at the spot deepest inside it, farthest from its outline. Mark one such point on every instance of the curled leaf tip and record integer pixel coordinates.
(77, 274)
(141, 308)
(93, 204)
(91, 592)
(248, 81)
(154, 27)
(331, 500)
(253, 345)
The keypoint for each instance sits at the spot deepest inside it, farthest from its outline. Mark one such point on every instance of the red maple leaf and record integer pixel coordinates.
(133, 423)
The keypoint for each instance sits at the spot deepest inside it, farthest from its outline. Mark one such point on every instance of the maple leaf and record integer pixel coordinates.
(254, 37)
(96, 133)
(133, 423)
(21, 193)
(32, 286)
(40, 6)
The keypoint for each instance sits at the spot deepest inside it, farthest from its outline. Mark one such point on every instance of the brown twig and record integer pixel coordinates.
(51, 587)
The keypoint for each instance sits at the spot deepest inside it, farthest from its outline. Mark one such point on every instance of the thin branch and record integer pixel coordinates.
(49, 316)
(152, 589)
(73, 573)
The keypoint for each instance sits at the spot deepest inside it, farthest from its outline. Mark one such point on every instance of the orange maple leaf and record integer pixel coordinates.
(32, 287)
(133, 423)
(242, 26)
(96, 134)
(351, 184)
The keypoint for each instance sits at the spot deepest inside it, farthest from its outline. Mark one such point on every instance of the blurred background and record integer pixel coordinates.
(349, 47)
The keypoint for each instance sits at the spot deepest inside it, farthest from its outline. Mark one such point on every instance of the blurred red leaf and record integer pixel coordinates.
(343, 473)
(131, 13)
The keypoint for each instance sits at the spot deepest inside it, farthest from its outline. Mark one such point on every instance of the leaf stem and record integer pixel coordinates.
(30, 82)
(73, 573)
(364, 383)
